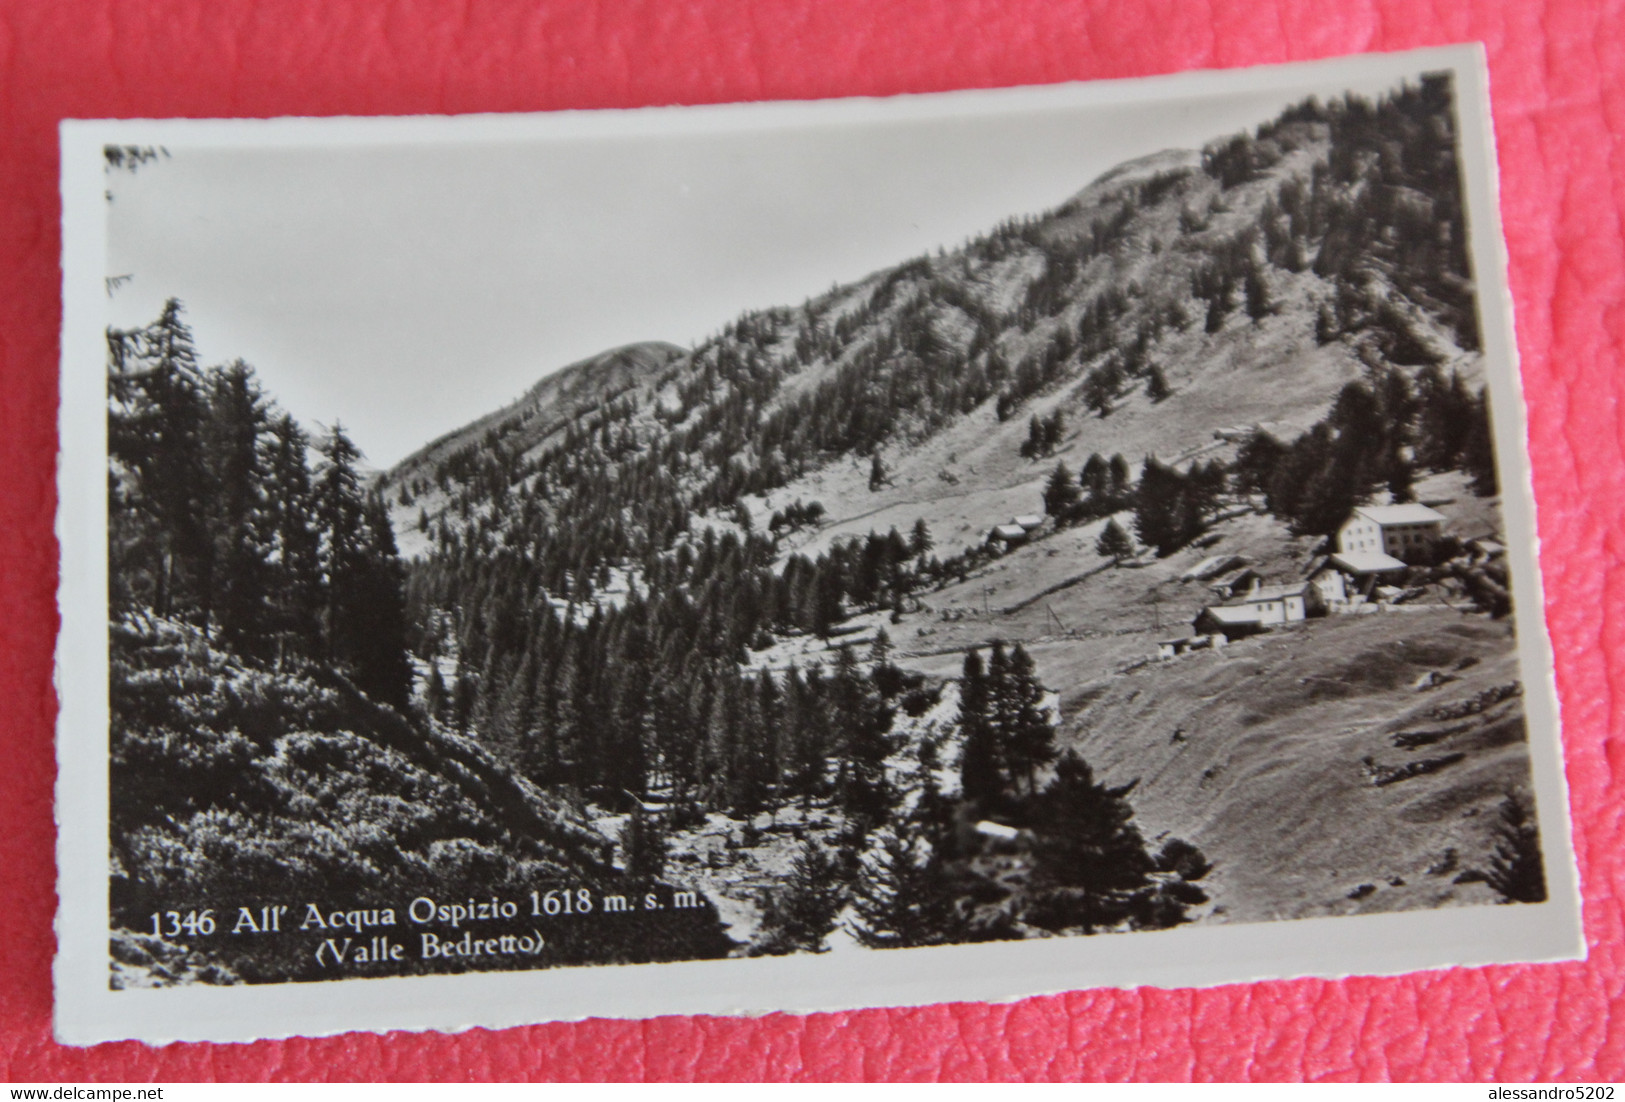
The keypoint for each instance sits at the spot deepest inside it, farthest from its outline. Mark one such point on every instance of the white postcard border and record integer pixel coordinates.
(88, 1012)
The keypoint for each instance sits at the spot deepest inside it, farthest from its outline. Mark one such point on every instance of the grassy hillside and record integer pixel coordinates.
(1268, 756)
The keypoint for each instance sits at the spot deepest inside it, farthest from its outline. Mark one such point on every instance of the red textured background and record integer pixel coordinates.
(1559, 101)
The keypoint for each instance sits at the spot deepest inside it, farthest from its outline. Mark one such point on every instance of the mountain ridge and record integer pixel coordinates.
(1195, 265)
(604, 372)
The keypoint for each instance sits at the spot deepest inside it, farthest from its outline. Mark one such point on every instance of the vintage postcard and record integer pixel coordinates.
(795, 556)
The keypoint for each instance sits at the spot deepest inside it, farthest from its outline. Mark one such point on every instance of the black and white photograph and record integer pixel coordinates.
(1084, 520)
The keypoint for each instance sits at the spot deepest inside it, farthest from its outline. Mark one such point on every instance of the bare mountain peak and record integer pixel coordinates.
(1140, 170)
(549, 403)
(628, 363)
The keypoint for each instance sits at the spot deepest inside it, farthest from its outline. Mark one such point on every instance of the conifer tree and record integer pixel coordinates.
(1054, 431)
(1256, 462)
(1517, 871)
(1099, 390)
(801, 912)
(1061, 493)
(721, 735)
(979, 767)
(1444, 420)
(339, 508)
(378, 608)
(1114, 543)
(1478, 450)
(1118, 484)
(1257, 293)
(807, 720)
(159, 543)
(435, 694)
(920, 541)
(1156, 385)
(1033, 446)
(295, 591)
(236, 508)
(1030, 740)
(1090, 859)
(902, 897)
(1095, 482)
(769, 749)
(861, 722)
(1156, 507)
(644, 845)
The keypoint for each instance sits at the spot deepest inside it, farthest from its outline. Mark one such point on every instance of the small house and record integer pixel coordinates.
(1329, 582)
(1405, 532)
(1008, 534)
(1232, 622)
(1283, 604)
(1029, 523)
(1237, 583)
(1365, 569)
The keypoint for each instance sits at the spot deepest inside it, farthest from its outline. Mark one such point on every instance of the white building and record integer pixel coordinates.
(1007, 534)
(1405, 532)
(1281, 604)
(1329, 582)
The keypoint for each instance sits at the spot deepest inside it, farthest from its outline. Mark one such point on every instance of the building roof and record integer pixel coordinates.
(1230, 614)
(1213, 564)
(1030, 520)
(1234, 578)
(1366, 562)
(1010, 532)
(1273, 593)
(991, 829)
(1411, 513)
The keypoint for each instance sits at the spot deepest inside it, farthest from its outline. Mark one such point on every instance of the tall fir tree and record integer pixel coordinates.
(644, 844)
(236, 509)
(1030, 741)
(802, 910)
(295, 591)
(161, 553)
(902, 897)
(980, 775)
(861, 722)
(340, 509)
(1061, 493)
(1478, 450)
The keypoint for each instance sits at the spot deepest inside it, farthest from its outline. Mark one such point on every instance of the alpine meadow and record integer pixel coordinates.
(1134, 564)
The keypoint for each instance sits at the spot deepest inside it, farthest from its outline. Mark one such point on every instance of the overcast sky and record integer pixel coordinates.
(406, 289)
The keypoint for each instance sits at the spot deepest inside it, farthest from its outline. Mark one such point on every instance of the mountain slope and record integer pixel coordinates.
(540, 411)
(1252, 279)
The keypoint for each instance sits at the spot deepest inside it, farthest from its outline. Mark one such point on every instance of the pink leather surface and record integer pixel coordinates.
(1558, 83)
